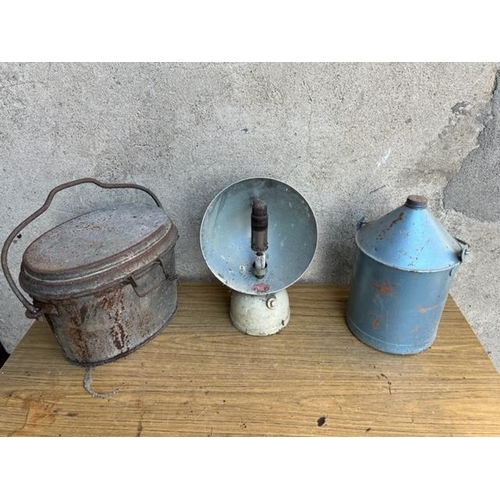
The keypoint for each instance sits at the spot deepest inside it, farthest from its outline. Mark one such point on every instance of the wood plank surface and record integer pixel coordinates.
(201, 377)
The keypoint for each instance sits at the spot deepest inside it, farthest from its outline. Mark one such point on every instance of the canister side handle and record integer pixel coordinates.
(465, 249)
(361, 222)
(31, 310)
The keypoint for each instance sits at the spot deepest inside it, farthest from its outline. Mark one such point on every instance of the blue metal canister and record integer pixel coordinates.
(404, 265)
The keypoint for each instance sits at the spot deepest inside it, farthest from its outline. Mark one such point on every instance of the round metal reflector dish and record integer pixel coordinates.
(225, 236)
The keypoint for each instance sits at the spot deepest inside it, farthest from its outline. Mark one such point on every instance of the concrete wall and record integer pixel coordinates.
(354, 139)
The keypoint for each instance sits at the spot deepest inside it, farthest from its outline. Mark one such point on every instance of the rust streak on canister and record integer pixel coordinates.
(384, 288)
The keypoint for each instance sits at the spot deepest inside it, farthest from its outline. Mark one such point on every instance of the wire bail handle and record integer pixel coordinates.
(31, 310)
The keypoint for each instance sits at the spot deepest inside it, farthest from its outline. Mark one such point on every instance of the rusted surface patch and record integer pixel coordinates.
(383, 288)
(260, 287)
(106, 301)
(117, 333)
(83, 313)
(423, 310)
(75, 343)
(117, 318)
(383, 233)
(376, 323)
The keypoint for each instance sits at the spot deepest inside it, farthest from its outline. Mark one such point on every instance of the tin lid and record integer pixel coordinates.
(96, 250)
(410, 238)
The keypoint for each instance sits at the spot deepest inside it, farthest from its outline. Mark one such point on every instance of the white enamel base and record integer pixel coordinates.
(260, 315)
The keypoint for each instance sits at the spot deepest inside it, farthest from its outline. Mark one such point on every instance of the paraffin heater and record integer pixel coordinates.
(258, 236)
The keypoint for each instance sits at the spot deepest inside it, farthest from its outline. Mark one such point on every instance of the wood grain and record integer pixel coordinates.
(201, 377)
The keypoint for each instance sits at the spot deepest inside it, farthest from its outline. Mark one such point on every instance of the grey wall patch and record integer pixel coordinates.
(475, 189)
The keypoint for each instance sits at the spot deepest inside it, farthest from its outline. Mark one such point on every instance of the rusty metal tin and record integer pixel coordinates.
(105, 281)
(404, 266)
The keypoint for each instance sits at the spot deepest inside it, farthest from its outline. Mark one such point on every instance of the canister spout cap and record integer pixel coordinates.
(416, 201)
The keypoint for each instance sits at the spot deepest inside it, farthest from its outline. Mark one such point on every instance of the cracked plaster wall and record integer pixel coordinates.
(354, 139)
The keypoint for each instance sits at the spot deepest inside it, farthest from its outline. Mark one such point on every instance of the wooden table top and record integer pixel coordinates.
(201, 377)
